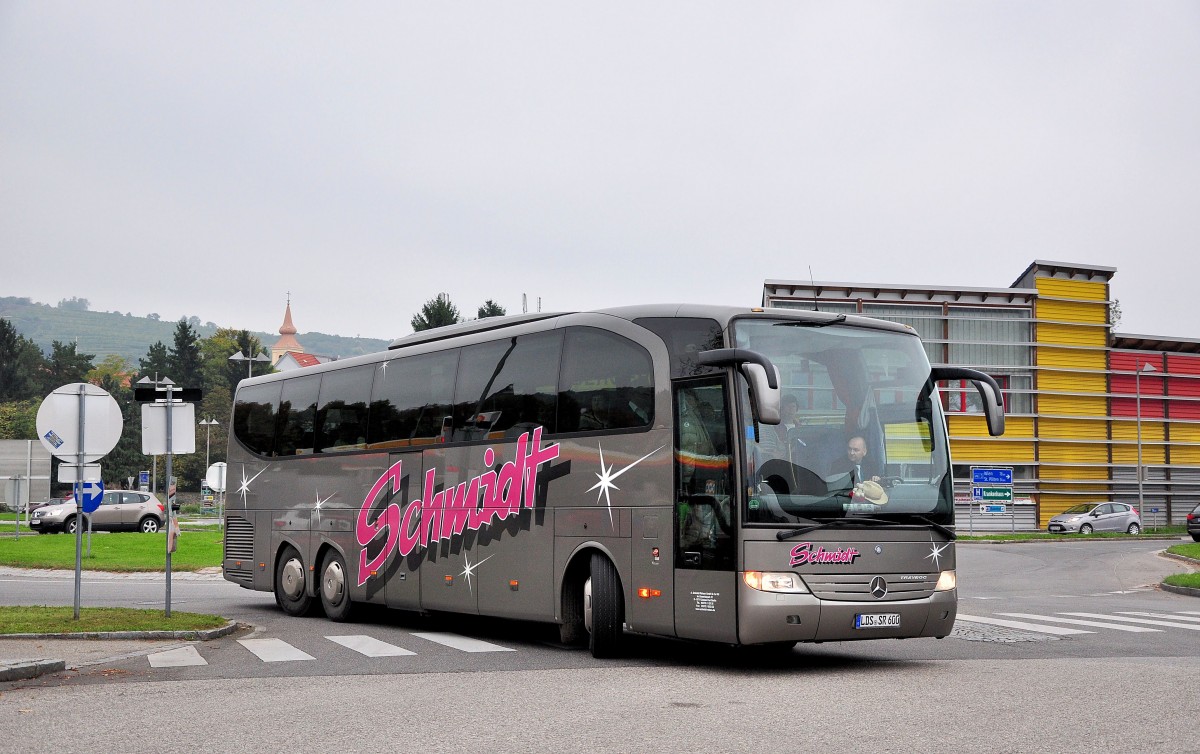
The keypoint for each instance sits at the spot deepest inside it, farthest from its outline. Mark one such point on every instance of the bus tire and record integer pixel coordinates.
(607, 607)
(334, 589)
(572, 631)
(290, 592)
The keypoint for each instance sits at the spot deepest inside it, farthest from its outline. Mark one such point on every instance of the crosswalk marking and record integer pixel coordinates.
(1037, 628)
(1147, 621)
(454, 641)
(369, 646)
(1161, 615)
(274, 650)
(1076, 622)
(177, 658)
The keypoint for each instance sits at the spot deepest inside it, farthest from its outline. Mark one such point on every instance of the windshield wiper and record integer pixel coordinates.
(835, 321)
(947, 533)
(831, 523)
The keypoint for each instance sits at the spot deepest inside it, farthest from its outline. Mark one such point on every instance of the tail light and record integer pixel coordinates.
(1191, 516)
(162, 508)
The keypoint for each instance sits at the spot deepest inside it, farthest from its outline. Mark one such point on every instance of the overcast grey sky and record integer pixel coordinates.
(206, 158)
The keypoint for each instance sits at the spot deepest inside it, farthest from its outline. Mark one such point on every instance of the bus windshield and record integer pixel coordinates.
(861, 431)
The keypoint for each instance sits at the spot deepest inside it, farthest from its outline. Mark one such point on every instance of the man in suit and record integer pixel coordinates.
(856, 462)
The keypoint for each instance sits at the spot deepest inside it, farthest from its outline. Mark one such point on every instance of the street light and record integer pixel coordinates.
(1137, 389)
(208, 424)
(260, 356)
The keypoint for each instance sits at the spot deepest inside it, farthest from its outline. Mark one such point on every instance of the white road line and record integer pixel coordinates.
(1160, 615)
(1147, 621)
(463, 643)
(274, 650)
(176, 658)
(369, 646)
(1036, 628)
(1075, 622)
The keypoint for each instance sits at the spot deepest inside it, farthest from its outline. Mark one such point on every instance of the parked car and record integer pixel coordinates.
(52, 501)
(1086, 518)
(1193, 523)
(120, 510)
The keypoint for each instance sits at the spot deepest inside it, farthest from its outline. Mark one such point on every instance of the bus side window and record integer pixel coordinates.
(507, 387)
(607, 382)
(342, 409)
(255, 416)
(297, 416)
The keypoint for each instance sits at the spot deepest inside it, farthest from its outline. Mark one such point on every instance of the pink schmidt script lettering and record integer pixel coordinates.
(805, 554)
(441, 515)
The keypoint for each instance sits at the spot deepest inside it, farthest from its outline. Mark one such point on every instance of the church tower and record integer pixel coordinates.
(287, 336)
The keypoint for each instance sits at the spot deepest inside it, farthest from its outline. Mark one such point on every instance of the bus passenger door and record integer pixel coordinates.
(705, 533)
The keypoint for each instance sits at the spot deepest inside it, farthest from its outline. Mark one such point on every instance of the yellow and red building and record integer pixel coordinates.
(1074, 389)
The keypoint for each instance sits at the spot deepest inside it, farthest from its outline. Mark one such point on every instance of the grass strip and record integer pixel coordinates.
(58, 620)
(127, 552)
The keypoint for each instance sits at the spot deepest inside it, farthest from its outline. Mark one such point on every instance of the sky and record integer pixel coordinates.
(211, 159)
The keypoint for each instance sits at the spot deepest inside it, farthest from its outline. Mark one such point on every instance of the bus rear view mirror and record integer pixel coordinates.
(989, 391)
(764, 397)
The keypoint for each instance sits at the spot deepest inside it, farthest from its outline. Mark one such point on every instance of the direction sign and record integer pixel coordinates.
(992, 508)
(991, 475)
(58, 422)
(1004, 494)
(89, 496)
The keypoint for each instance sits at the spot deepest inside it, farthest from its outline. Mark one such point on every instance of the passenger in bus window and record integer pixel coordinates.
(598, 415)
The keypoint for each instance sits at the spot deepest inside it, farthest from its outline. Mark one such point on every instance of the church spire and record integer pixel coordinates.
(287, 335)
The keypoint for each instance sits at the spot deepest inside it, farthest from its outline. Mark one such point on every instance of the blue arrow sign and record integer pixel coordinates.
(90, 496)
(984, 475)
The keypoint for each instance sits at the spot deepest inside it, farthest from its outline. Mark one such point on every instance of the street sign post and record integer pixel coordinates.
(991, 475)
(79, 423)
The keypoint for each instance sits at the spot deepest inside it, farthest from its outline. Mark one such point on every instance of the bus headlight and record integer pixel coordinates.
(946, 582)
(770, 581)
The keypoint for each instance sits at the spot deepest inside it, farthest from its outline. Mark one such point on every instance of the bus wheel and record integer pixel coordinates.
(335, 598)
(289, 583)
(604, 608)
(572, 631)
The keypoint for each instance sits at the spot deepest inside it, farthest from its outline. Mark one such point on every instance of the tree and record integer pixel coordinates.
(75, 304)
(185, 364)
(1114, 313)
(21, 365)
(66, 365)
(156, 364)
(437, 312)
(491, 309)
(114, 368)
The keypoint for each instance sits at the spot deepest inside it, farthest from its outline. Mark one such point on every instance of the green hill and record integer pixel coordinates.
(105, 333)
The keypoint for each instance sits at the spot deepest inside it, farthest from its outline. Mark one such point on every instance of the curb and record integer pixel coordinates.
(1063, 539)
(26, 669)
(1186, 591)
(205, 635)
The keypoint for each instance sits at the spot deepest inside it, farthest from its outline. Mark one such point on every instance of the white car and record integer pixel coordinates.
(120, 510)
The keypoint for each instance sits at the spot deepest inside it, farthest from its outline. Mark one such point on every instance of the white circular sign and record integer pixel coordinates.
(215, 478)
(58, 422)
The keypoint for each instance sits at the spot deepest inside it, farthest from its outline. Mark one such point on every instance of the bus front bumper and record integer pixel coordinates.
(766, 617)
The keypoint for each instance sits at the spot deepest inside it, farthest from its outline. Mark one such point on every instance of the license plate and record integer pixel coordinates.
(877, 620)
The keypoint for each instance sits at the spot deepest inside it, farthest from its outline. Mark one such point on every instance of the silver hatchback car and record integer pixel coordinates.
(120, 510)
(1086, 518)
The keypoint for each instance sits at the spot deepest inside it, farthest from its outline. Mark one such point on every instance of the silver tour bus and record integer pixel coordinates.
(744, 476)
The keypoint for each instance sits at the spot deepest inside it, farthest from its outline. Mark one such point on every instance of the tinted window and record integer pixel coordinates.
(607, 382)
(254, 415)
(297, 415)
(412, 398)
(342, 409)
(507, 387)
(685, 338)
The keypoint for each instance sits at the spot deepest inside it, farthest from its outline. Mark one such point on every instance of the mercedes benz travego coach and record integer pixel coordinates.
(744, 476)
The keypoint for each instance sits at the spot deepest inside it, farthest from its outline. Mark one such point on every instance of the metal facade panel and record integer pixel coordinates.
(1077, 289)
(1092, 313)
(1072, 335)
(1072, 405)
(1072, 382)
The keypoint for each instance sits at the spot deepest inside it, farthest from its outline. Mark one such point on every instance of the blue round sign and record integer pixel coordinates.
(90, 495)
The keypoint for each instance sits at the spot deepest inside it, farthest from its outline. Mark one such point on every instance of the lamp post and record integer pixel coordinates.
(208, 424)
(1137, 389)
(260, 357)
